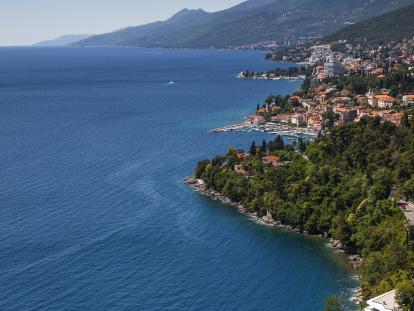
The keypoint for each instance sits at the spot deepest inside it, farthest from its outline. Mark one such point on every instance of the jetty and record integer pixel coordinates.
(232, 128)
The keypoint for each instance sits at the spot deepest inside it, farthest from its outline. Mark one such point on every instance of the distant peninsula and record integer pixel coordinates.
(65, 40)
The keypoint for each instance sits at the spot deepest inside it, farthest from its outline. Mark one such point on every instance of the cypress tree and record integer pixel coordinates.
(253, 149)
(264, 147)
(405, 120)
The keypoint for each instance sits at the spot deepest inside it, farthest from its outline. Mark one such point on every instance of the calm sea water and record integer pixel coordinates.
(94, 144)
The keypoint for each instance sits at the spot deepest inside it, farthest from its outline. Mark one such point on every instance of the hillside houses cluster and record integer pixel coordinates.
(329, 60)
(324, 102)
(345, 107)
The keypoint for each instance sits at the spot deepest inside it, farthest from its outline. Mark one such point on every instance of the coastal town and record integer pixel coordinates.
(338, 88)
(207, 155)
(364, 88)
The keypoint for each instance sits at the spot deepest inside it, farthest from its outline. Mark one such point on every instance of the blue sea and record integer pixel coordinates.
(94, 145)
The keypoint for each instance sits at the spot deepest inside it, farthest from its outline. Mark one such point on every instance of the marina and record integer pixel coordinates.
(274, 78)
(270, 128)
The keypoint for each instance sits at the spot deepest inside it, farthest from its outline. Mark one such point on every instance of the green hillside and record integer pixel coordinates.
(391, 27)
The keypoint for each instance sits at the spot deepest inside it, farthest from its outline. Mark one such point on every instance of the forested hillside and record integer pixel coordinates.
(346, 186)
(392, 27)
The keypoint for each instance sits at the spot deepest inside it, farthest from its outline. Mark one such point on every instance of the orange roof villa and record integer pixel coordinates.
(273, 160)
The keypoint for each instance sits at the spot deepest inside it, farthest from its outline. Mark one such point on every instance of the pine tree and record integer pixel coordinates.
(264, 147)
(281, 142)
(253, 150)
(405, 121)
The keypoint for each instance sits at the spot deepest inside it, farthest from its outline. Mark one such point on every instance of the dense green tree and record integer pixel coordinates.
(405, 121)
(408, 188)
(253, 149)
(330, 117)
(333, 304)
(201, 167)
(276, 144)
(263, 148)
(301, 145)
(393, 91)
(405, 294)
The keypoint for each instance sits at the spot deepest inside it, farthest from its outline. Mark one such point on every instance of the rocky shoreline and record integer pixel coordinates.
(354, 261)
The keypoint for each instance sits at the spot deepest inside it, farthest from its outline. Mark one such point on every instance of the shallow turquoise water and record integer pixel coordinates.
(94, 144)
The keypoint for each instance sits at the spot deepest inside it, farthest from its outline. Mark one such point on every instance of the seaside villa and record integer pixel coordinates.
(384, 302)
(272, 160)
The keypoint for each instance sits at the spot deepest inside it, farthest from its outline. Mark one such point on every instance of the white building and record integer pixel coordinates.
(408, 99)
(380, 101)
(297, 119)
(385, 101)
(385, 302)
(319, 53)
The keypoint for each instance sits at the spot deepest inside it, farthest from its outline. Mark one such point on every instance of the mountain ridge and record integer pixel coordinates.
(250, 22)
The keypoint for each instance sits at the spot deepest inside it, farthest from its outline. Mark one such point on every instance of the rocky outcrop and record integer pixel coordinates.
(199, 186)
(268, 218)
(337, 244)
(355, 261)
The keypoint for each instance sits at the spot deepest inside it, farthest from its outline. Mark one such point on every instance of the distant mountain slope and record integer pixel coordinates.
(248, 23)
(394, 26)
(63, 40)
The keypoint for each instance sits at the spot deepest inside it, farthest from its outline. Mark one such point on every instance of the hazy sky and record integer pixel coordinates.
(28, 21)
